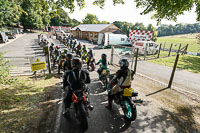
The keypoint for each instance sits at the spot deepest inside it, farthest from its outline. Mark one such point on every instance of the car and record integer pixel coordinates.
(10, 35)
(3, 37)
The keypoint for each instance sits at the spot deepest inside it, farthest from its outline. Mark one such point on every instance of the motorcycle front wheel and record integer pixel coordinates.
(83, 117)
(129, 109)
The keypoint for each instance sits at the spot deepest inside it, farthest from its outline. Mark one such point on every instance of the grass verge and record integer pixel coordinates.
(186, 62)
(176, 40)
(22, 104)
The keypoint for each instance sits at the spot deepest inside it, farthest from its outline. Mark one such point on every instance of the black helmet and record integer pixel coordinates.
(69, 56)
(123, 63)
(103, 55)
(52, 44)
(76, 63)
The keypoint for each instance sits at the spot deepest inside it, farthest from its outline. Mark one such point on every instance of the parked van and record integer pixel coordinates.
(151, 47)
(108, 39)
(3, 37)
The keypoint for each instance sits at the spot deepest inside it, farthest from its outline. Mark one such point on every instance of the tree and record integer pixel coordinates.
(150, 27)
(166, 30)
(61, 18)
(90, 19)
(104, 22)
(162, 9)
(75, 23)
(139, 26)
(10, 12)
(124, 26)
(35, 15)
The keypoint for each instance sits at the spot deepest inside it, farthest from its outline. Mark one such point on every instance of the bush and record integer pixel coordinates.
(4, 70)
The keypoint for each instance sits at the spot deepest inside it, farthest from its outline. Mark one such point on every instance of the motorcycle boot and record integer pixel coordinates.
(66, 113)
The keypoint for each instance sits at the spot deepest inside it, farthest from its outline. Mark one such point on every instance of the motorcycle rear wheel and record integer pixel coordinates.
(129, 109)
(83, 117)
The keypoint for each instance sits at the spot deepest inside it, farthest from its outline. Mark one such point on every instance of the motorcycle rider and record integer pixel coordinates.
(90, 58)
(70, 44)
(68, 63)
(65, 51)
(104, 64)
(78, 49)
(122, 80)
(51, 48)
(75, 80)
(57, 54)
(74, 45)
(84, 52)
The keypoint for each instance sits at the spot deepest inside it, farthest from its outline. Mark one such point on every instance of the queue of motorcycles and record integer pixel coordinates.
(80, 98)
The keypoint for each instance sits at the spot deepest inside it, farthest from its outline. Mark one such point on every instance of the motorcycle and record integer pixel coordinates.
(81, 107)
(78, 53)
(124, 99)
(84, 58)
(61, 62)
(103, 77)
(91, 66)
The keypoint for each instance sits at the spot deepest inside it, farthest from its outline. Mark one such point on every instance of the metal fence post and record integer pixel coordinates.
(185, 50)
(136, 57)
(159, 50)
(145, 52)
(132, 53)
(170, 49)
(173, 71)
(111, 59)
(48, 58)
(179, 48)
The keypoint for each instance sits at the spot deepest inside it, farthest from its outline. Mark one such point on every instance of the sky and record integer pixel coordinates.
(127, 12)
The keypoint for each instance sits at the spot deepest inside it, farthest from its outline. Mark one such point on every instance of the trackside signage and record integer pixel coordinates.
(140, 35)
(38, 63)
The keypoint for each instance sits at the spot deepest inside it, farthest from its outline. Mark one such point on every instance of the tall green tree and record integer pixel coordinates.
(166, 30)
(104, 22)
(61, 18)
(35, 15)
(161, 9)
(124, 26)
(150, 27)
(75, 23)
(90, 19)
(10, 12)
(139, 26)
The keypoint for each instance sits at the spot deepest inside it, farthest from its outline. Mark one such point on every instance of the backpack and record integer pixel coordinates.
(78, 84)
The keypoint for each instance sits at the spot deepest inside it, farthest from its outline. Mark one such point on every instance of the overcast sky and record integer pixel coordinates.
(126, 12)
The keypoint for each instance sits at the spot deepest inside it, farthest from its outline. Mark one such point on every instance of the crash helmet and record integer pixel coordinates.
(65, 50)
(57, 47)
(69, 56)
(63, 56)
(76, 63)
(52, 44)
(103, 56)
(123, 63)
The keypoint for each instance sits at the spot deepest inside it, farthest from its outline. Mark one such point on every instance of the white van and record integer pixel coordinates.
(151, 47)
(108, 39)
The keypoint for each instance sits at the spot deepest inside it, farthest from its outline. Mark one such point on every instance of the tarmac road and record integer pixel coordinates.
(149, 119)
(19, 51)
